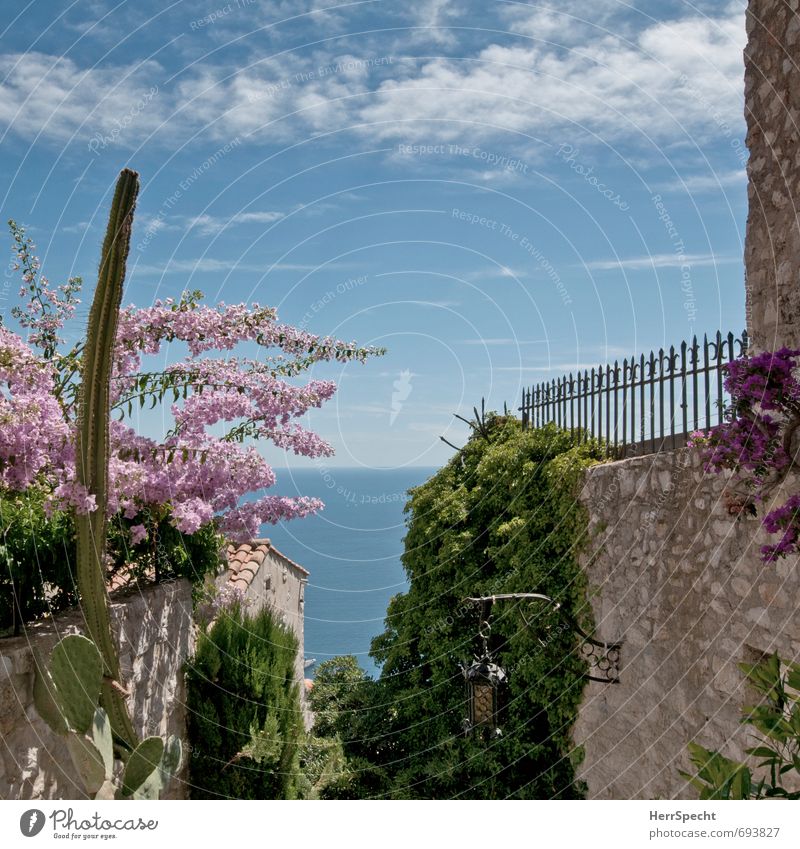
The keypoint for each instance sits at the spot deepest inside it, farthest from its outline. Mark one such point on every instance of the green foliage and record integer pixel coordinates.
(502, 516)
(348, 713)
(37, 559)
(245, 722)
(66, 696)
(776, 717)
(76, 669)
(37, 556)
(142, 763)
(166, 553)
(323, 767)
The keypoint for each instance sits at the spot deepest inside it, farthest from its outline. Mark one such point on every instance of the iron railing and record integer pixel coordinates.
(645, 405)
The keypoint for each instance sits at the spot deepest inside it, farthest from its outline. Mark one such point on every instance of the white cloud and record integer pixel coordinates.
(673, 260)
(503, 341)
(571, 22)
(78, 227)
(663, 85)
(671, 82)
(209, 224)
(55, 97)
(208, 265)
(433, 16)
(706, 182)
(494, 272)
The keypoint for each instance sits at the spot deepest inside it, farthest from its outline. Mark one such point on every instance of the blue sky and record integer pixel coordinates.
(498, 192)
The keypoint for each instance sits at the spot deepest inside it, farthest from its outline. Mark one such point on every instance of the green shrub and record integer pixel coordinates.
(502, 516)
(37, 559)
(166, 553)
(37, 556)
(245, 722)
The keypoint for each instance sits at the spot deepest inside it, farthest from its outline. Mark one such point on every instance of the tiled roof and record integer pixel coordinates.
(245, 559)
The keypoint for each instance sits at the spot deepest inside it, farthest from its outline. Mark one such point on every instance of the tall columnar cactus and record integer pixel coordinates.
(92, 448)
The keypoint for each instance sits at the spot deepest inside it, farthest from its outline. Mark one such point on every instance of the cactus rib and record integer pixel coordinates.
(92, 445)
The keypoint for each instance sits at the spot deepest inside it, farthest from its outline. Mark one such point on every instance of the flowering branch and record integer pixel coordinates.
(758, 443)
(194, 473)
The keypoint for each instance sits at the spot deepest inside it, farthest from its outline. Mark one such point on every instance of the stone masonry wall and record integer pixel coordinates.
(282, 586)
(772, 109)
(681, 582)
(156, 636)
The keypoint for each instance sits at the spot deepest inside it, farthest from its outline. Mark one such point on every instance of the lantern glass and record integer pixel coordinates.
(483, 679)
(484, 698)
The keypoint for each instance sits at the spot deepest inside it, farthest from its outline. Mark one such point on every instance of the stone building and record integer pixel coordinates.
(671, 573)
(269, 578)
(772, 109)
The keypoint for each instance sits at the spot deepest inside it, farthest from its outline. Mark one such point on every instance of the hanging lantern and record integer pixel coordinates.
(484, 679)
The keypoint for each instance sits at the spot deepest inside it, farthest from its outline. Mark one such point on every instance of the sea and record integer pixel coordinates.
(352, 550)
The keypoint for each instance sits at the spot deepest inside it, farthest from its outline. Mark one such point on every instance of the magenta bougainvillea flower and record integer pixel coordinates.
(218, 406)
(757, 443)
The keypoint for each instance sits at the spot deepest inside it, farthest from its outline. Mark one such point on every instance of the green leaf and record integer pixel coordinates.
(150, 787)
(88, 761)
(102, 738)
(693, 780)
(143, 761)
(77, 672)
(740, 784)
(795, 719)
(171, 759)
(45, 696)
(763, 752)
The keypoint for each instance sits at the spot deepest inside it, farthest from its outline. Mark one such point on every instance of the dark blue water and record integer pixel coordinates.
(352, 550)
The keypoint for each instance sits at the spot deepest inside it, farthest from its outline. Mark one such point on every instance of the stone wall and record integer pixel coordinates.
(680, 581)
(772, 109)
(156, 635)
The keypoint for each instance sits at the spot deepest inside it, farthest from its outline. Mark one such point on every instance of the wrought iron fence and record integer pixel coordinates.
(645, 405)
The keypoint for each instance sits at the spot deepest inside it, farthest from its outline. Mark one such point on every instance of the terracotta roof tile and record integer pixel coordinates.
(244, 561)
(246, 558)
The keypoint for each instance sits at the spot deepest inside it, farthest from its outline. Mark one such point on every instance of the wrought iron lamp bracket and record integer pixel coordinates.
(603, 658)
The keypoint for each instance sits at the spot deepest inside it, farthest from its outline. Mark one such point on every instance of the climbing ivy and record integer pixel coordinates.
(501, 516)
